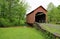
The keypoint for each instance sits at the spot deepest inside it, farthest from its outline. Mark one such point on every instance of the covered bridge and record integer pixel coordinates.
(37, 15)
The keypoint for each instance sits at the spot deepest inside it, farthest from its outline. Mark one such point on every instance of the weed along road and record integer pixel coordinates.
(52, 28)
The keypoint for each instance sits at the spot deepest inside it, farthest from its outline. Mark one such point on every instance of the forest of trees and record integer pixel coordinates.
(12, 12)
(53, 13)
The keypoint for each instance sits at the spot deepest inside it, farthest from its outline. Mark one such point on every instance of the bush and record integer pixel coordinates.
(4, 22)
(22, 22)
(14, 21)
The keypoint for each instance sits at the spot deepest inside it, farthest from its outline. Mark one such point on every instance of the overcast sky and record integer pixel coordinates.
(36, 3)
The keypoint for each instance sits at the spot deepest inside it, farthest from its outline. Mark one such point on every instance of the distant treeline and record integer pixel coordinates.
(53, 13)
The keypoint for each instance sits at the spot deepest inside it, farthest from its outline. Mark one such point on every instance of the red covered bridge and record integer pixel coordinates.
(37, 15)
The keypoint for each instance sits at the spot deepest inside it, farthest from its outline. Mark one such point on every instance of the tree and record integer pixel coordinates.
(58, 16)
(53, 13)
(50, 11)
(14, 11)
(50, 6)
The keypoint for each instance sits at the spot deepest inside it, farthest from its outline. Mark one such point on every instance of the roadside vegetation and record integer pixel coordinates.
(53, 14)
(53, 28)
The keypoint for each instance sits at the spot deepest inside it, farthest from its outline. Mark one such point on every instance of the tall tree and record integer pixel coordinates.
(14, 11)
(50, 13)
(50, 6)
(53, 13)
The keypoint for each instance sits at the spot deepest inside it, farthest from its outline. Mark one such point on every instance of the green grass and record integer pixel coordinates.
(55, 29)
(20, 33)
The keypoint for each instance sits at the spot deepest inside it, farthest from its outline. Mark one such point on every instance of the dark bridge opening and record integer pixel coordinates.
(40, 17)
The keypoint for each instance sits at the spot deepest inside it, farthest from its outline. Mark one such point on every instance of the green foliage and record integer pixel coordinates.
(53, 13)
(5, 22)
(51, 29)
(45, 33)
(14, 11)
